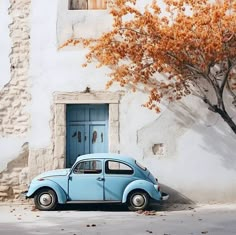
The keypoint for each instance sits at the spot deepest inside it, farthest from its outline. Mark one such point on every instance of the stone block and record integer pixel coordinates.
(55, 163)
(60, 144)
(60, 130)
(2, 195)
(14, 182)
(17, 169)
(61, 162)
(114, 112)
(60, 114)
(23, 118)
(4, 188)
(17, 191)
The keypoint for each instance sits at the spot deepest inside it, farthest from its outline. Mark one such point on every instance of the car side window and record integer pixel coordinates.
(88, 167)
(115, 167)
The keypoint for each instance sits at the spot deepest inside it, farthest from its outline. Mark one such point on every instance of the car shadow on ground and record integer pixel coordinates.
(176, 202)
(120, 207)
(93, 207)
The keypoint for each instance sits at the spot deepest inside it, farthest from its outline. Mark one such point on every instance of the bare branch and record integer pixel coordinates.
(226, 76)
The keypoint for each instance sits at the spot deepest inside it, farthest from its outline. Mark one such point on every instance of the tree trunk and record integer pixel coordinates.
(226, 118)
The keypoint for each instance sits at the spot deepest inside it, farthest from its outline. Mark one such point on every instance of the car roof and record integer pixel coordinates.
(113, 156)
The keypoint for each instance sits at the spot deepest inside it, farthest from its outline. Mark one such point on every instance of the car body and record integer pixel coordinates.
(97, 178)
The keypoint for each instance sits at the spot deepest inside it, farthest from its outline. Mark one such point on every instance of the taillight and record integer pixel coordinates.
(159, 188)
(41, 179)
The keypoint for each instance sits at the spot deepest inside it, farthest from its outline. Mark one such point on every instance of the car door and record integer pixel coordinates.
(117, 176)
(86, 181)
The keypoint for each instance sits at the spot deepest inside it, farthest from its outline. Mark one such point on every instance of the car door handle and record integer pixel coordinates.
(100, 179)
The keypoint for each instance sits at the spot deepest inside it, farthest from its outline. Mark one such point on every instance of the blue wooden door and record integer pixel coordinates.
(87, 130)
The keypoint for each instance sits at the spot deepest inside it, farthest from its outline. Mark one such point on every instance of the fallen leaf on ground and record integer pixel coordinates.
(139, 211)
(34, 208)
(148, 231)
(146, 212)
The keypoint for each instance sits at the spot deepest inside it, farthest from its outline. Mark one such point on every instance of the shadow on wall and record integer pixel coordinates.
(173, 122)
(217, 136)
(220, 140)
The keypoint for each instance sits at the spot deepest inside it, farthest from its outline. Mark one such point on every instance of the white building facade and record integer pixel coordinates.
(53, 110)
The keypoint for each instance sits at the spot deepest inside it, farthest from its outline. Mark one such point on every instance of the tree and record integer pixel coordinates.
(191, 43)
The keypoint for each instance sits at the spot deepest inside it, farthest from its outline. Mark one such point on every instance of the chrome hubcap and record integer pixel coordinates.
(45, 199)
(138, 200)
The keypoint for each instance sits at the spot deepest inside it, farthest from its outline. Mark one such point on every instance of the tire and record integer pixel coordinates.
(138, 200)
(45, 199)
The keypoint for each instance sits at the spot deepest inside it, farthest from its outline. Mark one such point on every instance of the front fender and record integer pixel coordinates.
(36, 185)
(144, 185)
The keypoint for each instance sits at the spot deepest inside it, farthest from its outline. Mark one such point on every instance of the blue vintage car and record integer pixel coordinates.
(97, 178)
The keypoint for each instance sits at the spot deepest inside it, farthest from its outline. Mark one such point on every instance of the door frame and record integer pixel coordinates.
(61, 99)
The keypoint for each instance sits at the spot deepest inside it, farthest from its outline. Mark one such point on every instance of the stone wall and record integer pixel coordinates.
(14, 98)
(14, 179)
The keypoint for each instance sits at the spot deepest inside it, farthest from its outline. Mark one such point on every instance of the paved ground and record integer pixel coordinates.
(173, 220)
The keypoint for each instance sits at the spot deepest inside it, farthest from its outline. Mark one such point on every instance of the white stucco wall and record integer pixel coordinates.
(199, 149)
(53, 70)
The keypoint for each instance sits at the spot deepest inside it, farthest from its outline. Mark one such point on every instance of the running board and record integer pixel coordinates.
(92, 202)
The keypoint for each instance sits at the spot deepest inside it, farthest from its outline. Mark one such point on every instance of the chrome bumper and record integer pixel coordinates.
(23, 194)
(164, 196)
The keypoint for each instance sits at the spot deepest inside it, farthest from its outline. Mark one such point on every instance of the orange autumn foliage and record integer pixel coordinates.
(191, 43)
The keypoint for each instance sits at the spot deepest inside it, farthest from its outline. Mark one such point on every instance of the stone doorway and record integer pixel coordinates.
(62, 99)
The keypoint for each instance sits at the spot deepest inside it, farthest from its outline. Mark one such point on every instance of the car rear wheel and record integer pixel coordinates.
(45, 200)
(138, 201)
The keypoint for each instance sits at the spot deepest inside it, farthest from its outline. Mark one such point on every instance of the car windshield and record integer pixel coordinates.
(140, 166)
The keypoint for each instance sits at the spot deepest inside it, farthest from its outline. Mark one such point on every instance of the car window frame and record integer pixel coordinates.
(139, 165)
(87, 160)
(118, 161)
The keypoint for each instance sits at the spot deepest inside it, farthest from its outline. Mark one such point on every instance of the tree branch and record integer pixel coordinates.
(135, 31)
(225, 77)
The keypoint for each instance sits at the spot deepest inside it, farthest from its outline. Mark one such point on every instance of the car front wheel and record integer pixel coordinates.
(45, 200)
(138, 201)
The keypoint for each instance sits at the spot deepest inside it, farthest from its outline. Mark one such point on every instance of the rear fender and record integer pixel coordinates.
(144, 186)
(35, 186)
